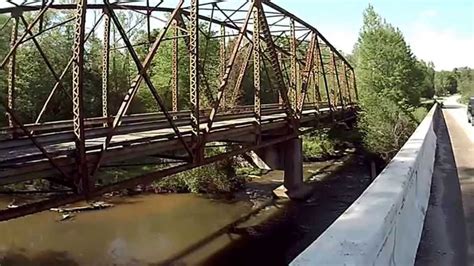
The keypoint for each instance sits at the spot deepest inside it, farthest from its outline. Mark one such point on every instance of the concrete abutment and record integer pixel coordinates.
(288, 156)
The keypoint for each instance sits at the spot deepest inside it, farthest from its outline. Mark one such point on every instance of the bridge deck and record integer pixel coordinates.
(21, 160)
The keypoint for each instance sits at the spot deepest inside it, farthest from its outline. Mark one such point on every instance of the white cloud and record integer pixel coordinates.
(342, 37)
(429, 13)
(446, 47)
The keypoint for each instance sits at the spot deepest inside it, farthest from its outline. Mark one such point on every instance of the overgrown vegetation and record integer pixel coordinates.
(391, 82)
(318, 146)
(465, 77)
(215, 178)
(329, 143)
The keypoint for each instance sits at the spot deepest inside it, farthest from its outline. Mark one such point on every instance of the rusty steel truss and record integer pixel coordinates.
(312, 83)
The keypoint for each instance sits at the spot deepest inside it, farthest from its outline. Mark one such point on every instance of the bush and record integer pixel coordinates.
(385, 126)
(467, 90)
(317, 146)
(219, 177)
(421, 112)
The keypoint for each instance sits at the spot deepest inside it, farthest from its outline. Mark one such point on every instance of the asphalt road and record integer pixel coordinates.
(448, 233)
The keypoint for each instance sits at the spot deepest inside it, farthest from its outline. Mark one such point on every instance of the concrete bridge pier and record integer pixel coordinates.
(288, 156)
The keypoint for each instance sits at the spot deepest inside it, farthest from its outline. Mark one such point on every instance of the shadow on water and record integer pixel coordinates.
(295, 225)
(45, 258)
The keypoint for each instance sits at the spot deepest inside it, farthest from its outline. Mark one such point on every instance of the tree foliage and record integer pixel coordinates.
(465, 81)
(427, 86)
(445, 83)
(391, 82)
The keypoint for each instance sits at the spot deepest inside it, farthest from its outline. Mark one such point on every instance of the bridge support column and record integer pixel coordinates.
(288, 156)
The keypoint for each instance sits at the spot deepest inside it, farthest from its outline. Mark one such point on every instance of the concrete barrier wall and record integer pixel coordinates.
(383, 226)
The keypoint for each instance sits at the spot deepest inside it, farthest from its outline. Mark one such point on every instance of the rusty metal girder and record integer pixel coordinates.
(256, 74)
(336, 77)
(229, 67)
(275, 63)
(323, 72)
(243, 68)
(12, 69)
(308, 64)
(63, 74)
(194, 79)
(142, 75)
(105, 65)
(175, 69)
(293, 93)
(23, 36)
(306, 73)
(82, 181)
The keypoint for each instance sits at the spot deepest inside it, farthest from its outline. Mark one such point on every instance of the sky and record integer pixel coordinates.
(441, 31)
(438, 31)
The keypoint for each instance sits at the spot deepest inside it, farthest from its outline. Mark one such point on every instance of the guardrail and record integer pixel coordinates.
(383, 226)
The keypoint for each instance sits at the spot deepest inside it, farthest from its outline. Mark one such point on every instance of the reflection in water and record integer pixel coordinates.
(137, 231)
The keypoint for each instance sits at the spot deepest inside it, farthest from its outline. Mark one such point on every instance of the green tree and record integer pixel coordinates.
(445, 82)
(4, 47)
(465, 81)
(389, 82)
(427, 86)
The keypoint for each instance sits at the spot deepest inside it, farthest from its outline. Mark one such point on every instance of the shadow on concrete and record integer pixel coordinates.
(444, 238)
(452, 107)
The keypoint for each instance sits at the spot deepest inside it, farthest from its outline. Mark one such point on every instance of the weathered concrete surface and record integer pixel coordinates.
(443, 241)
(383, 226)
(288, 156)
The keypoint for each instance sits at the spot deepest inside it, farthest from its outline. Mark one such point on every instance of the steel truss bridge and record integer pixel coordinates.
(314, 86)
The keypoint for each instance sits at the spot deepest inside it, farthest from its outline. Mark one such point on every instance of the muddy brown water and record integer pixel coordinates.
(138, 230)
(157, 229)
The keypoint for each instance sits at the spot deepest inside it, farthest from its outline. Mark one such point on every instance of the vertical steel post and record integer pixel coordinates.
(323, 71)
(105, 65)
(293, 67)
(84, 185)
(243, 68)
(355, 84)
(313, 87)
(280, 99)
(317, 82)
(275, 65)
(12, 69)
(256, 72)
(148, 23)
(194, 77)
(306, 73)
(338, 83)
(43, 4)
(175, 73)
(222, 60)
(348, 87)
(222, 53)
